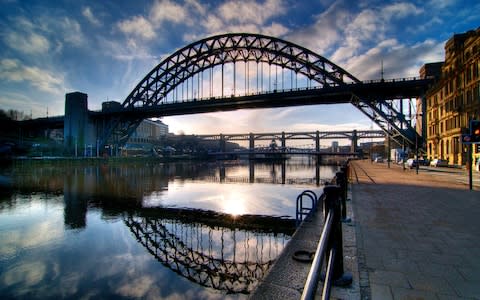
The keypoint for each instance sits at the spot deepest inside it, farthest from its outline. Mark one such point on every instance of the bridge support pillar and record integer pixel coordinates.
(251, 147)
(284, 142)
(78, 131)
(354, 145)
(222, 143)
(251, 169)
(317, 141)
(222, 173)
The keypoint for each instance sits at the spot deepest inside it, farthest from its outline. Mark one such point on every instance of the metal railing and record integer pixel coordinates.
(330, 245)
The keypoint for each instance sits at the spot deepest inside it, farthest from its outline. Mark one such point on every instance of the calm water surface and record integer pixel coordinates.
(144, 230)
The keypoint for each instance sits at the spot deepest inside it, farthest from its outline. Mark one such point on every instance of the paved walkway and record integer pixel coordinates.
(418, 236)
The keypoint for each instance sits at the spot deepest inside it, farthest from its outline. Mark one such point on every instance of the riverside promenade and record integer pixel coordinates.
(418, 235)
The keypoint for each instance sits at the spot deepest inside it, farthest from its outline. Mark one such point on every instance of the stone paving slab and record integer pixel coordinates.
(419, 233)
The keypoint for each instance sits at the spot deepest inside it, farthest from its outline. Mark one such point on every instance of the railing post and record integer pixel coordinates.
(332, 202)
(340, 180)
(345, 169)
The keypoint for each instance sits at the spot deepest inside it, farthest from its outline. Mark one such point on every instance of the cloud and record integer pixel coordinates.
(87, 13)
(233, 16)
(275, 29)
(251, 11)
(138, 26)
(399, 10)
(29, 43)
(44, 34)
(44, 80)
(398, 60)
(168, 11)
(327, 30)
(70, 30)
(442, 3)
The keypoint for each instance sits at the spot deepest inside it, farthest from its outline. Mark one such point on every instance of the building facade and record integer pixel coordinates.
(454, 100)
(149, 131)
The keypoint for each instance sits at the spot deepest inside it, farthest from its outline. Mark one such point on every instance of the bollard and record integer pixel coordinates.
(332, 202)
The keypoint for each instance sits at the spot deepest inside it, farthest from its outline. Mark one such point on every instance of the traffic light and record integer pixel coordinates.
(475, 131)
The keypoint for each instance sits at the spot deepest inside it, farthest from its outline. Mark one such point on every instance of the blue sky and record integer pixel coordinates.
(104, 48)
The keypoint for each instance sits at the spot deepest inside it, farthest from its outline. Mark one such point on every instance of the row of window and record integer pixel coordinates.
(472, 94)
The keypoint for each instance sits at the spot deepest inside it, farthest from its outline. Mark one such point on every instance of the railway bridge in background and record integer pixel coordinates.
(242, 71)
(354, 136)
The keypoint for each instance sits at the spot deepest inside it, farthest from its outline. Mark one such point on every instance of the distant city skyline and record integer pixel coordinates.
(104, 49)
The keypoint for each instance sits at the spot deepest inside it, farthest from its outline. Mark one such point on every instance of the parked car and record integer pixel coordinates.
(438, 163)
(423, 162)
(379, 159)
(412, 163)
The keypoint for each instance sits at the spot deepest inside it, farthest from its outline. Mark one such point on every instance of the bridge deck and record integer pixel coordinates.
(367, 91)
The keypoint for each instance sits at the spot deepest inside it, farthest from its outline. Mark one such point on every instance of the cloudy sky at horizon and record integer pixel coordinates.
(104, 48)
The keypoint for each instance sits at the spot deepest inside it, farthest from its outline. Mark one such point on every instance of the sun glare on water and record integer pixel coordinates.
(234, 204)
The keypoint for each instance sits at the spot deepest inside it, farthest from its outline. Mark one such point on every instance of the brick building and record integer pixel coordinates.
(455, 99)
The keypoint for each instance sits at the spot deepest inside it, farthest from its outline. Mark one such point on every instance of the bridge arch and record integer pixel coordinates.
(231, 48)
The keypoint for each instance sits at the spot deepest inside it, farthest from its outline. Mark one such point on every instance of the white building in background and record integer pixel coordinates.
(149, 131)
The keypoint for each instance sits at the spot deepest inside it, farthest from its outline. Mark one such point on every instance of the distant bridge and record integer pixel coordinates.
(354, 136)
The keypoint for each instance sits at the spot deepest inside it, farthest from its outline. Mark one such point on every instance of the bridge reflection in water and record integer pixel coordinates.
(179, 214)
(228, 259)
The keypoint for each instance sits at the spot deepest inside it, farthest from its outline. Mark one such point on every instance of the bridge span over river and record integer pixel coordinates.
(242, 71)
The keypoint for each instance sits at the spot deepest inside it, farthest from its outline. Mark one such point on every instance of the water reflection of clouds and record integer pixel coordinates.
(40, 224)
(26, 274)
(265, 199)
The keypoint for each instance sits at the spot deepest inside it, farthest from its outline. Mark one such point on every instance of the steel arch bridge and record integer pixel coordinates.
(157, 93)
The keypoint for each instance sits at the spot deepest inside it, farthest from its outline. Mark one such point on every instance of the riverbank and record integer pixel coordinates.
(417, 235)
(97, 160)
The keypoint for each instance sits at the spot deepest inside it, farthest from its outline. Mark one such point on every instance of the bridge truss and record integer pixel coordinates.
(193, 73)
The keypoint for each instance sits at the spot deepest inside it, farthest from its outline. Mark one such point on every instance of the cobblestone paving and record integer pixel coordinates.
(418, 235)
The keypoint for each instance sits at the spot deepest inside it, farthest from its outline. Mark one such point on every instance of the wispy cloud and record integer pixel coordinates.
(27, 42)
(326, 31)
(40, 36)
(252, 12)
(169, 11)
(44, 80)
(138, 26)
(88, 14)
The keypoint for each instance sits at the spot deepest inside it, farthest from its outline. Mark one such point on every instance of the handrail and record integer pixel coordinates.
(329, 274)
(331, 241)
(313, 275)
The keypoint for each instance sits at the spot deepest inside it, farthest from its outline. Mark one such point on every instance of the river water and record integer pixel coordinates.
(186, 230)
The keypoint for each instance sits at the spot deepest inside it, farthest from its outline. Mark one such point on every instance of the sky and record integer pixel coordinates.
(104, 48)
